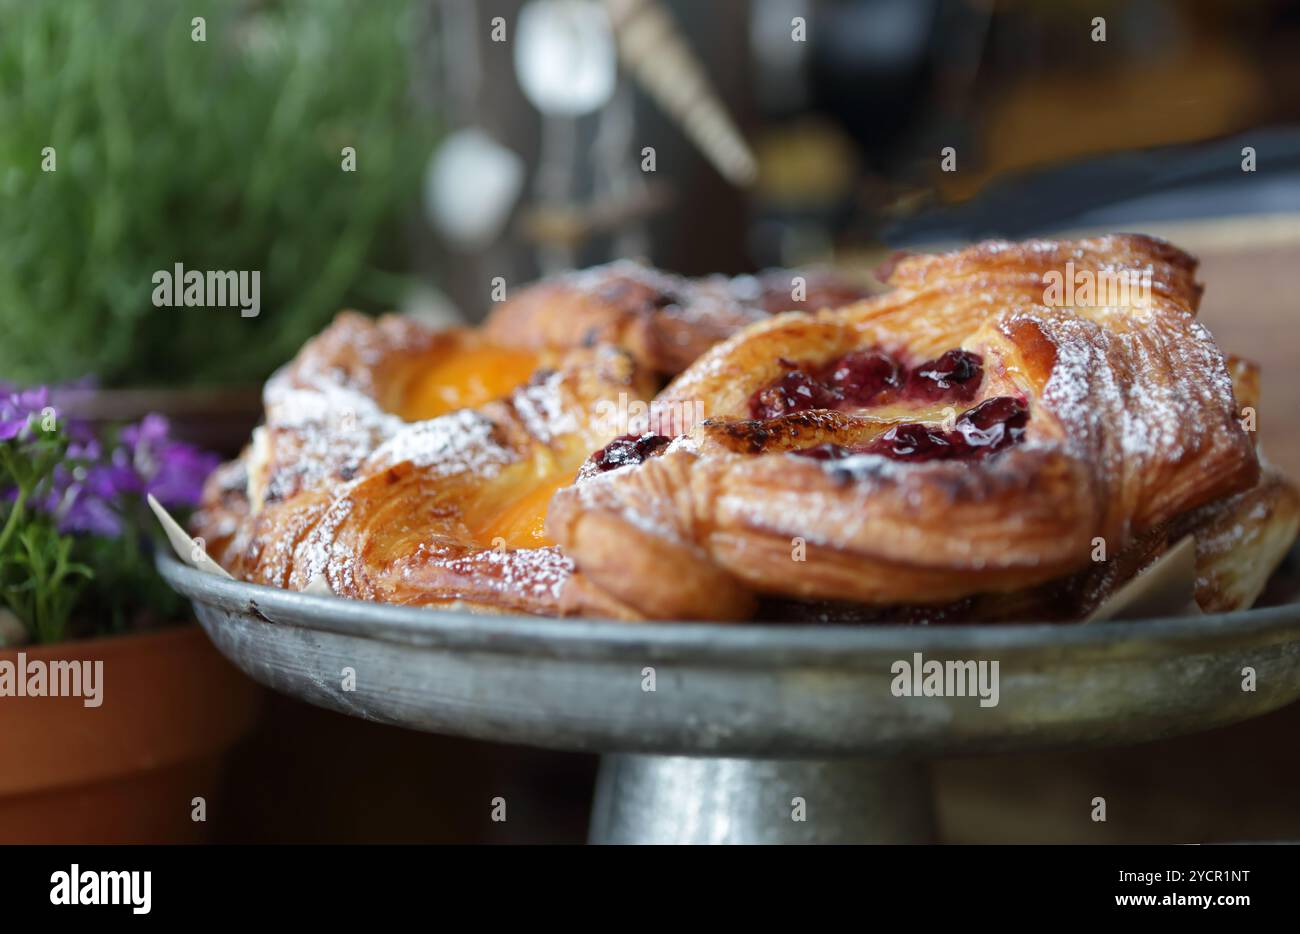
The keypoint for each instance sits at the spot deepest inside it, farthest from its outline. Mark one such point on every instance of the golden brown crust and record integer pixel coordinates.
(1172, 272)
(1132, 423)
(664, 321)
(223, 509)
(1241, 540)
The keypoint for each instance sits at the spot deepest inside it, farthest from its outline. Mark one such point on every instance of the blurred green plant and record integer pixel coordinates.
(220, 155)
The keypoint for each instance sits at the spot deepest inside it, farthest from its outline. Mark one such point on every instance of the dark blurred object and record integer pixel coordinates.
(1230, 785)
(1116, 192)
(314, 776)
(1007, 90)
(872, 62)
(218, 420)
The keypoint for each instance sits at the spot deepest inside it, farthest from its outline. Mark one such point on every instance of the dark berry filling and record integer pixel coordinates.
(993, 424)
(625, 450)
(914, 442)
(978, 432)
(863, 375)
(867, 377)
(796, 391)
(955, 375)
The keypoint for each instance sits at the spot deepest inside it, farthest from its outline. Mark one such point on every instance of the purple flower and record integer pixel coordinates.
(83, 492)
(171, 470)
(90, 491)
(83, 500)
(17, 407)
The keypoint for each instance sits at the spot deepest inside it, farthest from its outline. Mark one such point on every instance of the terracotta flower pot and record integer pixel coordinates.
(126, 771)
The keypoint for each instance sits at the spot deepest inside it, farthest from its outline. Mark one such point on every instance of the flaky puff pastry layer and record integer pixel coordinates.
(1132, 423)
(1241, 539)
(341, 494)
(664, 321)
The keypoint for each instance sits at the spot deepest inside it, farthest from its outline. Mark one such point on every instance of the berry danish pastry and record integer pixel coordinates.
(961, 447)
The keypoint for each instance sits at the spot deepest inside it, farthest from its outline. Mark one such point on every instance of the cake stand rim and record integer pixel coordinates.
(741, 643)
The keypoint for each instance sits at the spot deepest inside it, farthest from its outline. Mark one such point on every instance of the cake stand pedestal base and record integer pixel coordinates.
(680, 799)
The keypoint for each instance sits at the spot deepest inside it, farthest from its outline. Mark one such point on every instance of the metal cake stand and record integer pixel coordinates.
(752, 733)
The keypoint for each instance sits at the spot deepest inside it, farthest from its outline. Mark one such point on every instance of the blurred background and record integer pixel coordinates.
(511, 139)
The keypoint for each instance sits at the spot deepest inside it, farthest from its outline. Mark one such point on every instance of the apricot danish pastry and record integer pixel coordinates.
(969, 439)
(407, 465)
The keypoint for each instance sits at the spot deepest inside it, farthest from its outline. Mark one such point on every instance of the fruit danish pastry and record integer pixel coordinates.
(664, 321)
(407, 465)
(1013, 427)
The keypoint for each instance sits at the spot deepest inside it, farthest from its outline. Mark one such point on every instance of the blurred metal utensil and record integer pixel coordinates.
(658, 57)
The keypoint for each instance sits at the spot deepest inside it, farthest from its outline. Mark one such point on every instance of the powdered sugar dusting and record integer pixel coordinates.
(540, 406)
(458, 442)
(536, 574)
